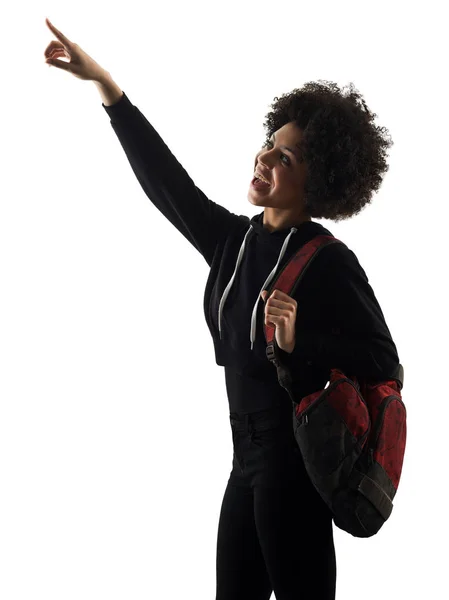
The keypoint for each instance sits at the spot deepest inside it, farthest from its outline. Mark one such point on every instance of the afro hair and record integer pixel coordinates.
(343, 149)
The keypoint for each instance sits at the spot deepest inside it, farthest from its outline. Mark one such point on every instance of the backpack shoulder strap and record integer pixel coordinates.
(288, 280)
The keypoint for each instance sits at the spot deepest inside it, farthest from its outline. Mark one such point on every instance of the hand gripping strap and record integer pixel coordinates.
(287, 281)
(292, 273)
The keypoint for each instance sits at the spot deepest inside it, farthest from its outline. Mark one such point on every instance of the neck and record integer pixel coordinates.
(276, 222)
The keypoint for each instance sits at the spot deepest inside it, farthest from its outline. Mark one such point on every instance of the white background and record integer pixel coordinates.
(115, 443)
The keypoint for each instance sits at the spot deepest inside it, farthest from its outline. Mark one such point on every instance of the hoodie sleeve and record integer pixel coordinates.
(360, 344)
(201, 221)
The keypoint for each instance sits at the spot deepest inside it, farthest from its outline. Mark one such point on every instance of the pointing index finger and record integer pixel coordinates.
(58, 34)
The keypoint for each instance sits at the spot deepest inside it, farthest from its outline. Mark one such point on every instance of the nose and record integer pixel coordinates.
(262, 158)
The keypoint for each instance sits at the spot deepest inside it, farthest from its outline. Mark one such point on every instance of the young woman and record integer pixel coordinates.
(323, 158)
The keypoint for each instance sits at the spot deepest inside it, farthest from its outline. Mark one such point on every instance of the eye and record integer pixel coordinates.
(282, 154)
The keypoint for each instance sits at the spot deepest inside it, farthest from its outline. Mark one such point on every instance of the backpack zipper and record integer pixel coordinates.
(305, 416)
(318, 401)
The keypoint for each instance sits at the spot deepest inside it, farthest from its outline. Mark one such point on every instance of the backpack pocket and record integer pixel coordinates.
(332, 430)
(389, 436)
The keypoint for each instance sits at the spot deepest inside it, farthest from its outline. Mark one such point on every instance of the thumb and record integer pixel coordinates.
(263, 294)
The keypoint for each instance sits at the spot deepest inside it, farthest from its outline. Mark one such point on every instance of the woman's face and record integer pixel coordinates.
(283, 168)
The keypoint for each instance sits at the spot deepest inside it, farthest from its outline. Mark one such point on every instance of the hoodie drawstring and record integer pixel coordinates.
(253, 326)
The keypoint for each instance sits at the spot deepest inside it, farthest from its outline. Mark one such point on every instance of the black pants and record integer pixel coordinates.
(275, 532)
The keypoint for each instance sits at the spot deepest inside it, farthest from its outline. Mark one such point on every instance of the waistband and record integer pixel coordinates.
(262, 419)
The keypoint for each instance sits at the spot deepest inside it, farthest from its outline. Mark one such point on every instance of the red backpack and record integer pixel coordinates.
(351, 434)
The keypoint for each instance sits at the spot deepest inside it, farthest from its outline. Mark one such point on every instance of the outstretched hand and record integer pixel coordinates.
(80, 64)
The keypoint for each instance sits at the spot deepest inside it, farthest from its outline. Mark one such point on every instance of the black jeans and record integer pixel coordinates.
(275, 532)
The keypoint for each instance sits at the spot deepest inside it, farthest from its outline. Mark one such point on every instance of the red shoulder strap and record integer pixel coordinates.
(288, 280)
(292, 273)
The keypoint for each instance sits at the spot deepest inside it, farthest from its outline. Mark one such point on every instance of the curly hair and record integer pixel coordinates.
(344, 151)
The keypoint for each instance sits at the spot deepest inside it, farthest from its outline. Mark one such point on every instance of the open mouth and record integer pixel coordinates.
(259, 184)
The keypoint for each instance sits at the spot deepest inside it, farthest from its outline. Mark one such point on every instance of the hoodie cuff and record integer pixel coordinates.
(300, 353)
(121, 108)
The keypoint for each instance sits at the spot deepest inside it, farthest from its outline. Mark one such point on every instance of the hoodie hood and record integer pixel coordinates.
(284, 239)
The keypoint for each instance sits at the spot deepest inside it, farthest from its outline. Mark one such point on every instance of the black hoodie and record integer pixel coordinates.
(339, 321)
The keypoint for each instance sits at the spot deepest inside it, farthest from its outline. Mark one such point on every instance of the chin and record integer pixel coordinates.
(251, 201)
(256, 199)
